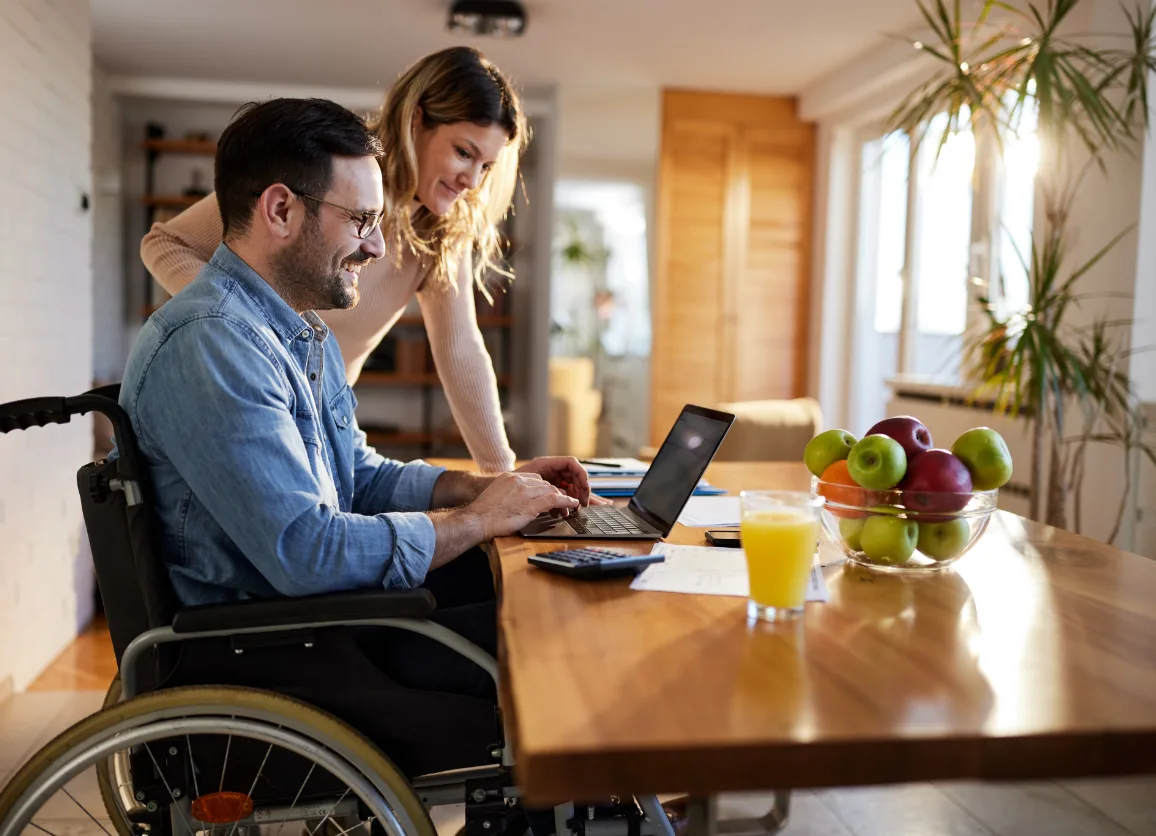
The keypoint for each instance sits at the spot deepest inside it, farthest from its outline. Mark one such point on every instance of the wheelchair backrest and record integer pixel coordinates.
(115, 497)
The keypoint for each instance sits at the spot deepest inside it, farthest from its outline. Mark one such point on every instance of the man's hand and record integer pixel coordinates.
(564, 473)
(514, 499)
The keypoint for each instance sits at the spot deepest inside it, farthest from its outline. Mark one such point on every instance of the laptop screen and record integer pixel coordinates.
(679, 464)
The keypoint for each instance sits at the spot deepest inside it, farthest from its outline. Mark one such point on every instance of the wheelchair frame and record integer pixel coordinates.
(484, 789)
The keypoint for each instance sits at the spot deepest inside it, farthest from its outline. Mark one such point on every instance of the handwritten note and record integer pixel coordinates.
(698, 570)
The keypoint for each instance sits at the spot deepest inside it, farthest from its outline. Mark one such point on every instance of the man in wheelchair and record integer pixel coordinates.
(243, 498)
(262, 481)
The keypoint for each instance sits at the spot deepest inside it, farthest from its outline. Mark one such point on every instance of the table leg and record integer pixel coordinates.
(702, 818)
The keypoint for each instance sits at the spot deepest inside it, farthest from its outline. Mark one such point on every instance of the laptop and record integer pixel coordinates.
(668, 484)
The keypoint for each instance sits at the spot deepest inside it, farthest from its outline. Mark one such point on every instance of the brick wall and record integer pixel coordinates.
(46, 314)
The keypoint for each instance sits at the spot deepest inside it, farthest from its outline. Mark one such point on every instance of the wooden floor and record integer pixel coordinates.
(73, 687)
(87, 665)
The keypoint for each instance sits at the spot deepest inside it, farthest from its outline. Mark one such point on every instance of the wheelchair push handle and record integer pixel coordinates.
(34, 412)
(39, 412)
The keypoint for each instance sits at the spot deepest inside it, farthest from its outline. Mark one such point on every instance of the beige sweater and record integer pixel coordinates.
(174, 252)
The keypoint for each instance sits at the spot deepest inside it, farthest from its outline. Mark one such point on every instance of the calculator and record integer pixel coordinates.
(591, 563)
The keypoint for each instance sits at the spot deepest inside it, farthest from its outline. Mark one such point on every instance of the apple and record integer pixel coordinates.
(851, 530)
(986, 456)
(877, 462)
(888, 538)
(826, 448)
(909, 432)
(936, 481)
(943, 540)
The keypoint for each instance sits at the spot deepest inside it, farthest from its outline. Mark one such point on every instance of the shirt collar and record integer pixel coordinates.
(285, 321)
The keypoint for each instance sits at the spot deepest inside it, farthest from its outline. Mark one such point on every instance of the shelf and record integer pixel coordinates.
(410, 437)
(204, 147)
(484, 321)
(371, 378)
(172, 201)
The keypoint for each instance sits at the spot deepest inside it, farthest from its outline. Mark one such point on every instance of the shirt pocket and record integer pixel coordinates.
(341, 407)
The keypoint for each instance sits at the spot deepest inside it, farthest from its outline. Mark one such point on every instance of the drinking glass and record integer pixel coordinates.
(780, 533)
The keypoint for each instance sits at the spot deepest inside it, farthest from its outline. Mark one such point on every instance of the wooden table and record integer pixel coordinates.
(1035, 657)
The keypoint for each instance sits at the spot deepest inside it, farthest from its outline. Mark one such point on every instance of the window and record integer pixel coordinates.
(1021, 160)
(893, 154)
(943, 233)
(965, 198)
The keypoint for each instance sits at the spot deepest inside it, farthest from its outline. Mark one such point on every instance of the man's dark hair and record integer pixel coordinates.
(290, 141)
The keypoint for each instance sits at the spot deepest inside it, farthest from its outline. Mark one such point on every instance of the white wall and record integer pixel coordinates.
(46, 302)
(609, 131)
(110, 309)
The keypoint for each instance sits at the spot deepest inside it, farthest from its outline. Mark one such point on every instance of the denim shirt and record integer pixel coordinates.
(262, 480)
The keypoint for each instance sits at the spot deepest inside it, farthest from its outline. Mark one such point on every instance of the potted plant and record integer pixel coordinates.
(1090, 102)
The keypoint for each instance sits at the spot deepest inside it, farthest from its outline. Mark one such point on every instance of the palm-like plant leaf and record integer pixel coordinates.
(990, 77)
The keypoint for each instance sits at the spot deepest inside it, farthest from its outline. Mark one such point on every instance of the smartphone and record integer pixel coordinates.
(731, 538)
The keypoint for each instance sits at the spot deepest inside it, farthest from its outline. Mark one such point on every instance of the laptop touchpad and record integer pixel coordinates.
(545, 524)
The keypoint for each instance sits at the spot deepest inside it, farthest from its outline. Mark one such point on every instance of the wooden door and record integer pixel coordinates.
(730, 306)
(769, 338)
(688, 308)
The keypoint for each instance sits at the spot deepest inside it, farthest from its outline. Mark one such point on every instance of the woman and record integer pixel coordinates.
(453, 130)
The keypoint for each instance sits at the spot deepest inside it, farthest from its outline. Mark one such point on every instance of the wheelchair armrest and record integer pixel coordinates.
(345, 607)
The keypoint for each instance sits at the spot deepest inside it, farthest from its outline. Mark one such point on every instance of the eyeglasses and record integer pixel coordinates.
(366, 222)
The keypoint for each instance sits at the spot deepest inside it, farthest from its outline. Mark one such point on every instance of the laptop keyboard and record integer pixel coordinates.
(604, 519)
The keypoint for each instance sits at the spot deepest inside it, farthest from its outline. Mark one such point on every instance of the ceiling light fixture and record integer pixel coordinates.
(499, 18)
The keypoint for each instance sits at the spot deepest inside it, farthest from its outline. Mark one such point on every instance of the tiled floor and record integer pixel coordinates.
(1118, 807)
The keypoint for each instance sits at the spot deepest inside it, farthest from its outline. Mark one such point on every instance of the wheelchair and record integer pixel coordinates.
(235, 759)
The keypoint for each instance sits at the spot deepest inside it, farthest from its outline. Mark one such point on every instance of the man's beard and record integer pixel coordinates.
(310, 279)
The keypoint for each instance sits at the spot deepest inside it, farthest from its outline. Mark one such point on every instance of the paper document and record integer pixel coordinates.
(614, 482)
(707, 511)
(699, 570)
(626, 467)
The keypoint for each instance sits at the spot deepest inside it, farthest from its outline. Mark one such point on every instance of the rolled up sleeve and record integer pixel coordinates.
(413, 547)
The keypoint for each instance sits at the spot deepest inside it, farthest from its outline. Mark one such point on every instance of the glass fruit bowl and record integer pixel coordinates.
(903, 531)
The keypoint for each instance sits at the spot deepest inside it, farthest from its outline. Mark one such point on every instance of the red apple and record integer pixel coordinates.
(936, 481)
(909, 432)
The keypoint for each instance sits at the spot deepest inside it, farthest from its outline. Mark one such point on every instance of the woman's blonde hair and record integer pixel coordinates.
(453, 85)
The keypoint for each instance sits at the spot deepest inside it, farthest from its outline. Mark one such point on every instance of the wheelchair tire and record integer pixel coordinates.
(112, 802)
(243, 704)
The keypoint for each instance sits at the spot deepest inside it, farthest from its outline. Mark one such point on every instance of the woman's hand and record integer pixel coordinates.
(564, 473)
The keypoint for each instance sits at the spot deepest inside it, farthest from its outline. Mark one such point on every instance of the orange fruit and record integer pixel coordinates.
(836, 485)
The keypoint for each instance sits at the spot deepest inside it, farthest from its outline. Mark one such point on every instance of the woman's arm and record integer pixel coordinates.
(466, 371)
(176, 250)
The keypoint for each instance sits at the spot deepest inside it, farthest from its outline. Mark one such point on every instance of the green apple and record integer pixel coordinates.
(985, 453)
(889, 539)
(877, 463)
(943, 540)
(851, 530)
(826, 448)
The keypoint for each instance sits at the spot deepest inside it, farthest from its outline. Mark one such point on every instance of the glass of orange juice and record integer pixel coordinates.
(780, 534)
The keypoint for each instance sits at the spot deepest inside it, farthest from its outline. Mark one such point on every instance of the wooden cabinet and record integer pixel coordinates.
(734, 236)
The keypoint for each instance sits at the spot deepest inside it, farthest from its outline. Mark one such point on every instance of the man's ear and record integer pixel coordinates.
(276, 209)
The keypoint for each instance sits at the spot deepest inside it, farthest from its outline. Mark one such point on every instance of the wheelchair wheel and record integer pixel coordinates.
(112, 773)
(216, 760)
